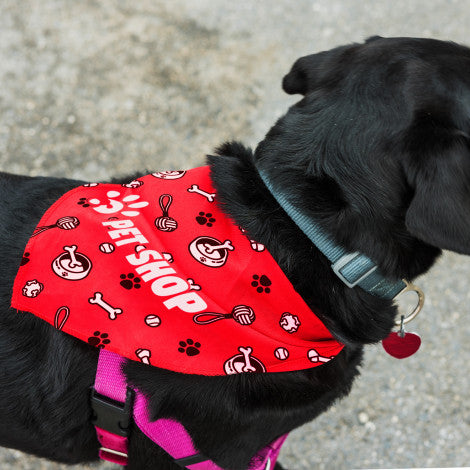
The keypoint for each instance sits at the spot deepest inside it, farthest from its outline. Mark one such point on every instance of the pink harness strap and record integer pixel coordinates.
(110, 383)
(170, 435)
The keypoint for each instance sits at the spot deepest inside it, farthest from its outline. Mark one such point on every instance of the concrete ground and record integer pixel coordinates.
(92, 89)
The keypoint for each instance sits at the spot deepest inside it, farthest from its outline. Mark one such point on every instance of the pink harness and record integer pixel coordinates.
(113, 407)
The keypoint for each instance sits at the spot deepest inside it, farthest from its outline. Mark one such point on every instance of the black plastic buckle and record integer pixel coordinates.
(185, 462)
(111, 415)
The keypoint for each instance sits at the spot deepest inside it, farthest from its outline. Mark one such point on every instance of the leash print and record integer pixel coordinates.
(242, 314)
(165, 223)
(61, 317)
(64, 223)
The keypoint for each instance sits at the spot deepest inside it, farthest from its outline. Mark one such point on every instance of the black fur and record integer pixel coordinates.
(378, 152)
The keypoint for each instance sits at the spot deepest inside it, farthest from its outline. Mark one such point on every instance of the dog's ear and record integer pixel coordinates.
(303, 74)
(296, 80)
(309, 71)
(373, 38)
(438, 169)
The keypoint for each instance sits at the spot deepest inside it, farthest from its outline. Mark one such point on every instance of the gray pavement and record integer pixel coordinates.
(92, 89)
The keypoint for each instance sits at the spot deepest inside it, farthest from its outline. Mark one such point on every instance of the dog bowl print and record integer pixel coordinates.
(71, 265)
(210, 251)
(244, 362)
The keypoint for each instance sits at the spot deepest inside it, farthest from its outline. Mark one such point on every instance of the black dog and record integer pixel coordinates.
(377, 153)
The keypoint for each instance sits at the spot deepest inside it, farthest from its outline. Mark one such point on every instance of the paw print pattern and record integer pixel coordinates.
(113, 206)
(205, 218)
(83, 201)
(130, 281)
(99, 340)
(189, 347)
(262, 283)
(25, 259)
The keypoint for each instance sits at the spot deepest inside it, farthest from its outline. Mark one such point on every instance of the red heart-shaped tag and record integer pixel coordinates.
(401, 346)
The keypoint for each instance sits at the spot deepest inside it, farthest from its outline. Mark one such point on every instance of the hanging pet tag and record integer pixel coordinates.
(401, 344)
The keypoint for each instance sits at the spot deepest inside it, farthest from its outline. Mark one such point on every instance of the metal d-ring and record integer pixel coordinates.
(407, 318)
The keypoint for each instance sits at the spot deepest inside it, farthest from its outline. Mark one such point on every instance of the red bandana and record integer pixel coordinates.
(154, 271)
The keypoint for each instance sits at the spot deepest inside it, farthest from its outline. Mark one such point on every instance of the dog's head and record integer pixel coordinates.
(384, 127)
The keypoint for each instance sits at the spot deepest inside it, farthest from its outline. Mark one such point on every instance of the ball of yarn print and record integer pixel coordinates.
(68, 223)
(166, 224)
(243, 314)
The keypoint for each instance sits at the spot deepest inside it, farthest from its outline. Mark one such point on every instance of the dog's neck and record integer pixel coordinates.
(346, 312)
(354, 269)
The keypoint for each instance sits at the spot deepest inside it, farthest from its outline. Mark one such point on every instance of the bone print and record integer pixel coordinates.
(98, 300)
(246, 353)
(193, 285)
(211, 248)
(143, 355)
(73, 260)
(195, 189)
(315, 357)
